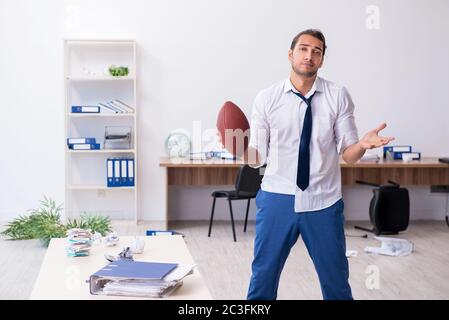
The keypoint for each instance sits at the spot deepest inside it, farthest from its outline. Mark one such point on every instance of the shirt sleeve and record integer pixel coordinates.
(259, 129)
(345, 128)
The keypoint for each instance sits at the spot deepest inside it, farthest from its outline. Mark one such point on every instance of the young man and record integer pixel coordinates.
(299, 127)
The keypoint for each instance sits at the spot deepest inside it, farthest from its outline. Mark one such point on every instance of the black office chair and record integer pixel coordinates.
(246, 186)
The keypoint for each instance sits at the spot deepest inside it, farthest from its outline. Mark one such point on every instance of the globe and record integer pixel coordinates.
(177, 145)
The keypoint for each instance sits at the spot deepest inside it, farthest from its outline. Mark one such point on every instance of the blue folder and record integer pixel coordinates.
(81, 141)
(162, 232)
(129, 270)
(85, 109)
(135, 270)
(84, 146)
(396, 149)
(130, 180)
(110, 172)
(117, 174)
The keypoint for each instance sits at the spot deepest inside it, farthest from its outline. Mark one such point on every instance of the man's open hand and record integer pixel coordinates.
(372, 139)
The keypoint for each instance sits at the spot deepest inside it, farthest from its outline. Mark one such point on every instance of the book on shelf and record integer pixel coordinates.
(84, 146)
(107, 109)
(85, 109)
(81, 140)
(115, 106)
(122, 105)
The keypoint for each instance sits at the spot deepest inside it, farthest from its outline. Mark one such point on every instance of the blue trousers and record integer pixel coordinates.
(277, 229)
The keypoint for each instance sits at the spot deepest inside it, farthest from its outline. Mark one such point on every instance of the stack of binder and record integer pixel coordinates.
(83, 144)
(113, 106)
(120, 172)
(139, 279)
(396, 153)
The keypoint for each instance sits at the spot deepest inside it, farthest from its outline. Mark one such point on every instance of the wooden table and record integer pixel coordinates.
(63, 277)
(427, 171)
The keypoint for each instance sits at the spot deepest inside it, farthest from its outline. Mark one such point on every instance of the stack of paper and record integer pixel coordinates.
(139, 279)
(141, 288)
(79, 242)
(369, 157)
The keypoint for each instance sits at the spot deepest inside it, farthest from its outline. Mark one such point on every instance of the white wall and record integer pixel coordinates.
(196, 54)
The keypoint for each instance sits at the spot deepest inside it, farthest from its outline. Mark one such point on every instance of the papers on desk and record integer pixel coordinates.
(79, 242)
(141, 288)
(139, 279)
(369, 157)
(223, 155)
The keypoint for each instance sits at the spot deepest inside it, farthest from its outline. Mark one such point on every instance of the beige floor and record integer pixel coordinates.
(225, 265)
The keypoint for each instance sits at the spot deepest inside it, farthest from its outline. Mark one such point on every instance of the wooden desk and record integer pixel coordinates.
(427, 171)
(62, 277)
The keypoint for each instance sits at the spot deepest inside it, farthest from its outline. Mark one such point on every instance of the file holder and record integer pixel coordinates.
(117, 137)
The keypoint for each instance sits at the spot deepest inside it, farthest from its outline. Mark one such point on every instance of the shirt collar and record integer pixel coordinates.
(317, 86)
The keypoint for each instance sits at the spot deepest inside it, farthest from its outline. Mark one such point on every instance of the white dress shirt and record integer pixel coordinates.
(276, 126)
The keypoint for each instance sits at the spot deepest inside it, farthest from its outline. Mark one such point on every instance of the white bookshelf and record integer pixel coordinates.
(99, 78)
(117, 115)
(87, 83)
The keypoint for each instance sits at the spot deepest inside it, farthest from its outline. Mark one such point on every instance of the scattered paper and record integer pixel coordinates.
(391, 247)
(351, 253)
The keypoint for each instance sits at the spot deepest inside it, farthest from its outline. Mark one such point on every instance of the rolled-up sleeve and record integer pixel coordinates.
(345, 127)
(260, 130)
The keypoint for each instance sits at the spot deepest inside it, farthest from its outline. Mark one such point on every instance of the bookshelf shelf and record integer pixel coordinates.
(86, 115)
(87, 84)
(98, 187)
(103, 151)
(94, 78)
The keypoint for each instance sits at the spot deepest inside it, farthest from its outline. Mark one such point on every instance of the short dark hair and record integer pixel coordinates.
(311, 32)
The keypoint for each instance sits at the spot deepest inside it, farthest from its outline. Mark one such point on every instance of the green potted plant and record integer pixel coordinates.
(45, 223)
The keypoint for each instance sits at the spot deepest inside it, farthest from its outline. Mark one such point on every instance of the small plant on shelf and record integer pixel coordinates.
(120, 71)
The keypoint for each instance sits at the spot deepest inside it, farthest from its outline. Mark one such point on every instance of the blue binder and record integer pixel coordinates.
(396, 149)
(117, 175)
(135, 269)
(85, 109)
(81, 141)
(84, 146)
(130, 172)
(124, 172)
(398, 155)
(162, 233)
(110, 172)
(129, 269)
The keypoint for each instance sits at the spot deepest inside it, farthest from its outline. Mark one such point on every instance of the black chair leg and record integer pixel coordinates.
(246, 217)
(232, 220)
(211, 216)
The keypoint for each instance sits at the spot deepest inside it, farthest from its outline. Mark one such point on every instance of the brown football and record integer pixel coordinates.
(233, 127)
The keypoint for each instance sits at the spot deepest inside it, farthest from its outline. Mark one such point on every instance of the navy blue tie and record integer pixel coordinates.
(303, 172)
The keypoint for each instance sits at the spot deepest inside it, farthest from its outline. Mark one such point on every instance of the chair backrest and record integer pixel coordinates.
(248, 180)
